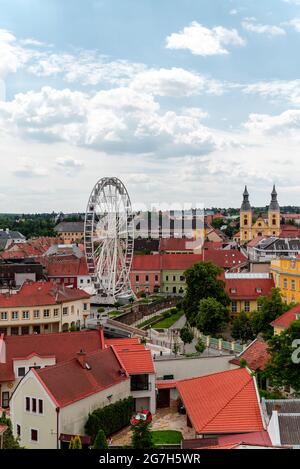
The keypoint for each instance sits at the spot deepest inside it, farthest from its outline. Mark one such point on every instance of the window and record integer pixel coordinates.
(55, 312)
(72, 308)
(167, 278)
(65, 310)
(21, 371)
(25, 314)
(258, 306)
(174, 278)
(293, 284)
(274, 221)
(156, 278)
(137, 278)
(14, 315)
(234, 307)
(232, 290)
(14, 331)
(81, 280)
(182, 278)
(24, 330)
(36, 313)
(85, 307)
(247, 306)
(245, 221)
(27, 404)
(46, 313)
(4, 316)
(139, 383)
(146, 278)
(18, 430)
(5, 399)
(284, 283)
(34, 435)
(41, 406)
(33, 405)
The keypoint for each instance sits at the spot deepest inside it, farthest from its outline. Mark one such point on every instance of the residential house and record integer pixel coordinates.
(138, 363)
(283, 421)
(14, 272)
(18, 354)
(69, 231)
(262, 249)
(222, 403)
(32, 248)
(52, 404)
(9, 237)
(285, 320)
(43, 307)
(244, 289)
(69, 271)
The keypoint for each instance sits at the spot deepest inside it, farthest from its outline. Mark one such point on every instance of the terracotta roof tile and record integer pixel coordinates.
(248, 289)
(287, 318)
(224, 402)
(256, 355)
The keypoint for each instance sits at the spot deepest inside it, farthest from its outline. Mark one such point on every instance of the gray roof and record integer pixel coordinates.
(246, 204)
(279, 244)
(283, 406)
(11, 234)
(289, 427)
(274, 206)
(70, 226)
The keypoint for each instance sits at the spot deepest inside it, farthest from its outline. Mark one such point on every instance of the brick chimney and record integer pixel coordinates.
(81, 358)
(101, 334)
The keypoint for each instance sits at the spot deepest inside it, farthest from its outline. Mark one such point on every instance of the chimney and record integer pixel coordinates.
(101, 334)
(81, 358)
(277, 407)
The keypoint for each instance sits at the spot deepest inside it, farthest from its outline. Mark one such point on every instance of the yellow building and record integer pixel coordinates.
(286, 274)
(263, 226)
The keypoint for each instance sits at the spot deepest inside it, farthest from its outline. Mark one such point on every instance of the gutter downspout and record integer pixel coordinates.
(57, 428)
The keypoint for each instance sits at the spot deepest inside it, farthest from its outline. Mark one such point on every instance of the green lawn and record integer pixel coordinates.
(114, 313)
(166, 437)
(168, 322)
(148, 322)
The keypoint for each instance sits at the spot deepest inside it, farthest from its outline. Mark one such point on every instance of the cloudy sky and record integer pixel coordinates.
(184, 100)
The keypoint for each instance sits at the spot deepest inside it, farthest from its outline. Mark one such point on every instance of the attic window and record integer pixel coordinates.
(232, 290)
(258, 290)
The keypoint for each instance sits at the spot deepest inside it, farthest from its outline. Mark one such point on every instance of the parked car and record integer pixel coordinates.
(143, 416)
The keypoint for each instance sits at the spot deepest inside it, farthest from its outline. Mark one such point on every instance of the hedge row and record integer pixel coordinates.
(111, 418)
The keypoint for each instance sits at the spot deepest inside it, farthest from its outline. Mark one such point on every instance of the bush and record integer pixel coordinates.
(111, 418)
(100, 441)
(101, 309)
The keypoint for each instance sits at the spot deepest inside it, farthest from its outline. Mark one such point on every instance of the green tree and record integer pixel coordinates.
(283, 366)
(200, 346)
(100, 441)
(270, 308)
(202, 281)
(242, 328)
(9, 441)
(141, 436)
(212, 316)
(186, 335)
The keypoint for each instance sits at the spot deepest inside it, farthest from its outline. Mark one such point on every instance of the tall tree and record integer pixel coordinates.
(212, 316)
(283, 368)
(186, 335)
(242, 327)
(202, 281)
(270, 308)
(9, 441)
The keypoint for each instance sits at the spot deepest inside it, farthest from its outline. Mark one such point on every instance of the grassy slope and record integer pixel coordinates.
(161, 437)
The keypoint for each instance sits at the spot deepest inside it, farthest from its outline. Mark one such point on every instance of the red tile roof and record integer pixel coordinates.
(231, 441)
(136, 359)
(248, 288)
(226, 259)
(41, 293)
(255, 241)
(32, 248)
(123, 342)
(166, 383)
(287, 318)
(69, 382)
(224, 402)
(256, 355)
(174, 244)
(213, 245)
(289, 231)
(58, 266)
(63, 346)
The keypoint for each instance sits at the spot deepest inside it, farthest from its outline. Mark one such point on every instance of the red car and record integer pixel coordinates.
(143, 416)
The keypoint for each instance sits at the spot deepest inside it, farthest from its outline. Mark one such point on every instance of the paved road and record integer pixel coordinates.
(180, 323)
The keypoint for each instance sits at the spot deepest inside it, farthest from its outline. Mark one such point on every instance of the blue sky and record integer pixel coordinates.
(185, 101)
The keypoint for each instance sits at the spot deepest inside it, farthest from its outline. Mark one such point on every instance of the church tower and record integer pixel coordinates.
(274, 215)
(245, 218)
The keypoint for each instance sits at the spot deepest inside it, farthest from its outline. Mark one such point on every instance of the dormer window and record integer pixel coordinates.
(232, 290)
(258, 290)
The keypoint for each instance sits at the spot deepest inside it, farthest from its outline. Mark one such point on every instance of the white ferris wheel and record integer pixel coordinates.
(108, 239)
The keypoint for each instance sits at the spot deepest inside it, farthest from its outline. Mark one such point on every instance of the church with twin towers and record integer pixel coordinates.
(264, 225)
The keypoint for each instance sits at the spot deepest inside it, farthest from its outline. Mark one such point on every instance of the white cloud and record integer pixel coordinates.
(118, 120)
(292, 2)
(26, 168)
(12, 55)
(200, 40)
(288, 122)
(270, 30)
(174, 82)
(233, 12)
(283, 90)
(294, 23)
